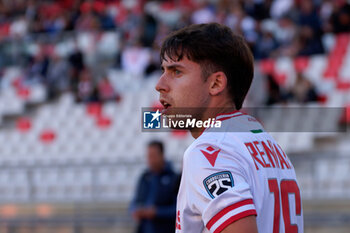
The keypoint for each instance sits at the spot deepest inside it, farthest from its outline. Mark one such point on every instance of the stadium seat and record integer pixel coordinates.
(301, 64)
(267, 66)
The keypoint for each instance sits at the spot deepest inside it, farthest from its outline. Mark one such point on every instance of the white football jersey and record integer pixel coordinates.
(238, 172)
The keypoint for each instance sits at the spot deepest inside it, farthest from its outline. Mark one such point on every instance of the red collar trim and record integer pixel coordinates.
(225, 116)
(229, 117)
(229, 113)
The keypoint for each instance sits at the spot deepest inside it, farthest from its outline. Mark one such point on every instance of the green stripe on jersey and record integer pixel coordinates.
(256, 131)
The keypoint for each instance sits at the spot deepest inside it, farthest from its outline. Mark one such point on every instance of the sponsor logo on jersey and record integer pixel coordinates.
(211, 154)
(218, 183)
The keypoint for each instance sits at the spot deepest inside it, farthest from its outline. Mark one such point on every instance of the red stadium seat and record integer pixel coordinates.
(335, 60)
(4, 29)
(342, 40)
(86, 7)
(99, 6)
(338, 52)
(23, 124)
(168, 6)
(330, 72)
(94, 109)
(322, 99)
(23, 92)
(301, 63)
(267, 66)
(103, 122)
(341, 85)
(280, 78)
(345, 119)
(47, 136)
(17, 82)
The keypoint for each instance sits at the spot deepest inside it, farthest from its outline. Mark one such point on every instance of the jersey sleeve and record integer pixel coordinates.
(219, 188)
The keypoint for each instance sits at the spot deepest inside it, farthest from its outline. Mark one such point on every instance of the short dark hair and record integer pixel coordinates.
(158, 144)
(215, 48)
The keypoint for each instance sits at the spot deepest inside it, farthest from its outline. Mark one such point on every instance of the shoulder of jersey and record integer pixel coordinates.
(206, 152)
(237, 123)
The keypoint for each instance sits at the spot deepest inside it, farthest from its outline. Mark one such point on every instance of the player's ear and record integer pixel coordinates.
(217, 82)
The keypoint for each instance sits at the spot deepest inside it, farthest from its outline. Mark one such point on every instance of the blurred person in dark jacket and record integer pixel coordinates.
(340, 18)
(154, 204)
(86, 90)
(57, 77)
(303, 90)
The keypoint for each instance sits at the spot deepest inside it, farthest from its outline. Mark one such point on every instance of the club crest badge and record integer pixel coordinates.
(218, 183)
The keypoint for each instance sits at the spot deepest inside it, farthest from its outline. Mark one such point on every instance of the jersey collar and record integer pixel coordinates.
(225, 116)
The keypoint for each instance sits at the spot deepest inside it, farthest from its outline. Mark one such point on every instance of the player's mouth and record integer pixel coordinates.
(166, 106)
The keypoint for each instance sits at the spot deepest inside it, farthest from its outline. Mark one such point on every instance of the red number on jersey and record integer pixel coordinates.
(287, 187)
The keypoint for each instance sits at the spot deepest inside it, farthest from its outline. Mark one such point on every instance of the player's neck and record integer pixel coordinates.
(211, 112)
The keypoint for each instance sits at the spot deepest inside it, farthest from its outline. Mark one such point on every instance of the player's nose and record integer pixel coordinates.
(162, 85)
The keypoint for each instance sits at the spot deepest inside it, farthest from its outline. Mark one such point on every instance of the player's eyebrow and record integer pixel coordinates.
(171, 67)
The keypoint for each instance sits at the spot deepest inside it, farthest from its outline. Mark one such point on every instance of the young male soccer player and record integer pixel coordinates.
(239, 179)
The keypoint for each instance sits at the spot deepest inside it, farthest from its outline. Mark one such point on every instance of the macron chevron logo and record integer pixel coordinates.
(211, 154)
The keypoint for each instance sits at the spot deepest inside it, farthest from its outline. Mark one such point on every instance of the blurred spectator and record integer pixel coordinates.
(19, 27)
(85, 87)
(326, 10)
(242, 23)
(106, 91)
(285, 34)
(274, 93)
(266, 43)
(203, 14)
(164, 30)
(149, 30)
(308, 16)
(57, 79)
(130, 27)
(303, 90)
(154, 62)
(37, 69)
(184, 20)
(135, 59)
(87, 22)
(273, 28)
(71, 13)
(340, 19)
(308, 43)
(280, 8)
(310, 33)
(261, 9)
(154, 204)
(76, 61)
(105, 19)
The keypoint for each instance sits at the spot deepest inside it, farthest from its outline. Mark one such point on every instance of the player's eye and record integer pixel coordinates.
(177, 72)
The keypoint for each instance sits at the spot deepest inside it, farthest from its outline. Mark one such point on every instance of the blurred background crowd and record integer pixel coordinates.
(67, 45)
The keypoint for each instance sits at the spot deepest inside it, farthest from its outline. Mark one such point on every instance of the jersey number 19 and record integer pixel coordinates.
(286, 187)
